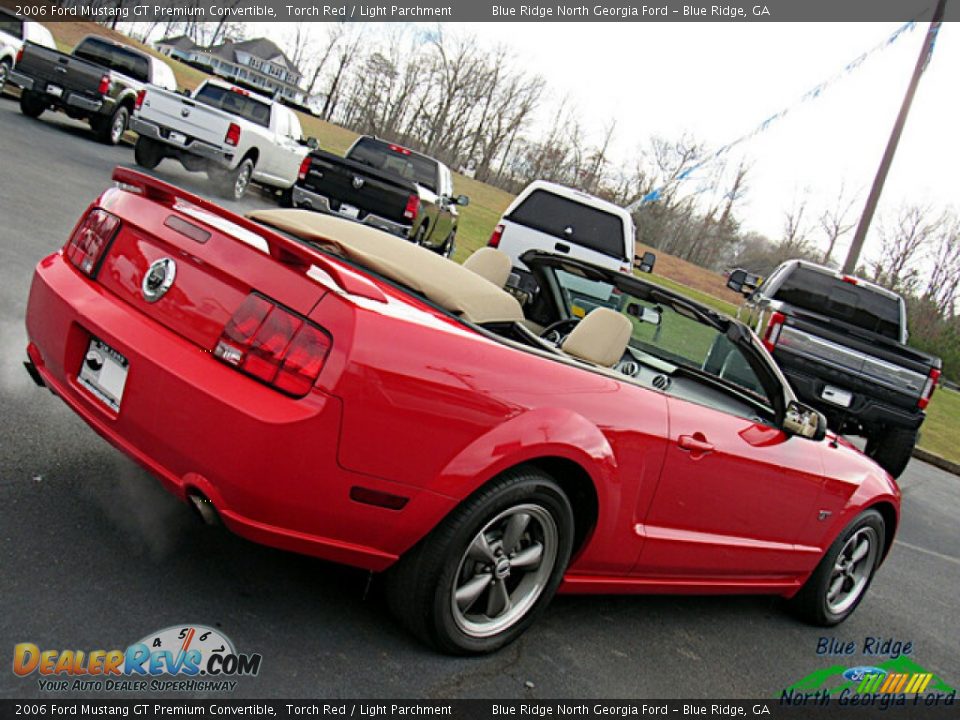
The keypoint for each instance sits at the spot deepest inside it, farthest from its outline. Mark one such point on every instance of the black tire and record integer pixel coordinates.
(420, 235)
(31, 104)
(892, 448)
(110, 130)
(233, 184)
(422, 587)
(285, 198)
(147, 152)
(449, 245)
(812, 603)
(4, 72)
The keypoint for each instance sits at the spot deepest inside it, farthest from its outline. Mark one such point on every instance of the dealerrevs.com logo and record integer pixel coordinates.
(180, 658)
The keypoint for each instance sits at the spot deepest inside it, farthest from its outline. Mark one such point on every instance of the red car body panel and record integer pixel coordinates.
(413, 403)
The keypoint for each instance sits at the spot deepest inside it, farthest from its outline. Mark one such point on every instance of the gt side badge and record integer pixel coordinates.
(158, 279)
(824, 514)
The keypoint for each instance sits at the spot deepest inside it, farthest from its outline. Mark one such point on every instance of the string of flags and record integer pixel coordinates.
(811, 94)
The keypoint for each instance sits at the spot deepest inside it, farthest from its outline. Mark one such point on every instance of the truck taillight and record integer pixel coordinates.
(138, 103)
(304, 168)
(274, 345)
(773, 330)
(233, 135)
(90, 240)
(928, 389)
(19, 56)
(399, 149)
(104, 87)
(413, 207)
(495, 237)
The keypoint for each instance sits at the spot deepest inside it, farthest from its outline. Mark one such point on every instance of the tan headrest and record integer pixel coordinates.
(490, 263)
(600, 338)
(442, 281)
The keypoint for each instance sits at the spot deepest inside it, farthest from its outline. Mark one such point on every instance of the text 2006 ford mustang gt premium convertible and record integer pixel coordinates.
(333, 390)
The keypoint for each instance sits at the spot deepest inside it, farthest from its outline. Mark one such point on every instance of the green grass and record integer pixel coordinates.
(941, 429)
(701, 297)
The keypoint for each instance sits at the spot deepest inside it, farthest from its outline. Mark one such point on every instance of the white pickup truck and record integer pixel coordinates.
(14, 31)
(233, 134)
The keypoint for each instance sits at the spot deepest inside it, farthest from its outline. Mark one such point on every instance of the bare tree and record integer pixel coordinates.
(836, 222)
(903, 242)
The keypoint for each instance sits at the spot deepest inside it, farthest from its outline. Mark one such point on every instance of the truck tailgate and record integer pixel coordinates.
(51, 67)
(184, 115)
(366, 188)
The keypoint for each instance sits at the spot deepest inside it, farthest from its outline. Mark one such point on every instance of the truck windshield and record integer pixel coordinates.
(114, 57)
(569, 220)
(235, 103)
(858, 305)
(397, 160)
(11, 25)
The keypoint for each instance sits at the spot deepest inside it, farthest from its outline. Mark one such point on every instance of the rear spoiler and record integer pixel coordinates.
(283, 249)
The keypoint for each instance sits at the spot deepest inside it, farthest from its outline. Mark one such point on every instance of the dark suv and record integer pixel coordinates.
(841, 342)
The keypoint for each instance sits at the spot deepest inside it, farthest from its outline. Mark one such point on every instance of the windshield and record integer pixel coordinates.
(396, 160)
(114, 57)
(236, 102)
(663, 329)
(567, 219)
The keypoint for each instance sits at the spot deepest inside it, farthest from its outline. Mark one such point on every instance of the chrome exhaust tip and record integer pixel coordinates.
(205, 509)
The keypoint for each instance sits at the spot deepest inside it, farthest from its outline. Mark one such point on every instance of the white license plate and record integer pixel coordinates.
(178, 138)
(103, 371)
(349, 211)
(835, 395)
(54, 90)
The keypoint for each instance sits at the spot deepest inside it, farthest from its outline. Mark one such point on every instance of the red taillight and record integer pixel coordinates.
(19, 55)
(399, 149)
(495, 237)
(233, 135)
(104, 87)
(304, 168)
(90, 240)
(413, 207)
(240, 91)
(138, 103)
(274, 345)
(773, 330)
(849, 279)
(928, 389)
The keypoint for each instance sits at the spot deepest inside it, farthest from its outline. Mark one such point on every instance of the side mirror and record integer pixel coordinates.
(643, 313)
(736, 280)
(804, 421)
(647, 262)
(313, 143)
(462, 200)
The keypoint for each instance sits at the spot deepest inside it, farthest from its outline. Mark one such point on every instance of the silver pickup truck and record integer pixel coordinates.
(235, 135)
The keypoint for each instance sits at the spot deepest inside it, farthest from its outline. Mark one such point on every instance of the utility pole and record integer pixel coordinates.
(853, 255)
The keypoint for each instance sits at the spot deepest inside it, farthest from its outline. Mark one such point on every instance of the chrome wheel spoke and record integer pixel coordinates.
(529, 557)
(836, 587)
(480, 550)
(860, 551)
(468, 593)
(498, 601)
(516, 526)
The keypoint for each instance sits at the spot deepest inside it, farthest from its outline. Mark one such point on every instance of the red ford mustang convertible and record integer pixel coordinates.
(332, 390)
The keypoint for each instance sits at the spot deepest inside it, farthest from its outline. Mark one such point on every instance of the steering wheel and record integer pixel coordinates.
(556, 332)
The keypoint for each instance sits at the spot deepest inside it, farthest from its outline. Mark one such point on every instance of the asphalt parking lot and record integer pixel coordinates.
(93, 554)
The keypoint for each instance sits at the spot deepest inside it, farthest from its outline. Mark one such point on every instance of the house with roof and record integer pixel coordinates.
(179, 47)
(257, 64)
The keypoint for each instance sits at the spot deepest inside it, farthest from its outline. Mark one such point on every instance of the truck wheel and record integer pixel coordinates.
(4, 71)
(482, 576)
(449, 245)
(110, 130)
(31, 104)
(147, 153)
(892, 448)
(844, 573)
(420, 235)
(233, 184)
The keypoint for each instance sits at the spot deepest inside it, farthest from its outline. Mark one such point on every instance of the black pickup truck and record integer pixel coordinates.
(98, 82)
(384, 185)
(841, 342)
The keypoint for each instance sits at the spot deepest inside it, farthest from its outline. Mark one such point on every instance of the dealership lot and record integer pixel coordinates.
(94, 555)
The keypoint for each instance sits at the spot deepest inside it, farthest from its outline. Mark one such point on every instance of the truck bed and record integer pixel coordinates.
(52, 70)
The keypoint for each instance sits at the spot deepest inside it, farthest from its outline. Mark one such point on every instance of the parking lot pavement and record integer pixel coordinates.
(94, 555)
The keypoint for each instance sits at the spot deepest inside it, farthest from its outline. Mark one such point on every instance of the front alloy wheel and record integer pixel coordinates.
(852, 570)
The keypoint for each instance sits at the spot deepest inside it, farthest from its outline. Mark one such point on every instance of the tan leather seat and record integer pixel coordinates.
(491, 264)
(600, 338)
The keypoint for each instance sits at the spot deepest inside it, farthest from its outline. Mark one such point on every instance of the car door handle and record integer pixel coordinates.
(697, 444)
(561, 247)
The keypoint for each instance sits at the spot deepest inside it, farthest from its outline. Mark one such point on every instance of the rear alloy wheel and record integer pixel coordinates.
(147, 152)
(110, 130)
(892, 448)
(233, 184)
(31, 104)
(482, 576)
(841, 579)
